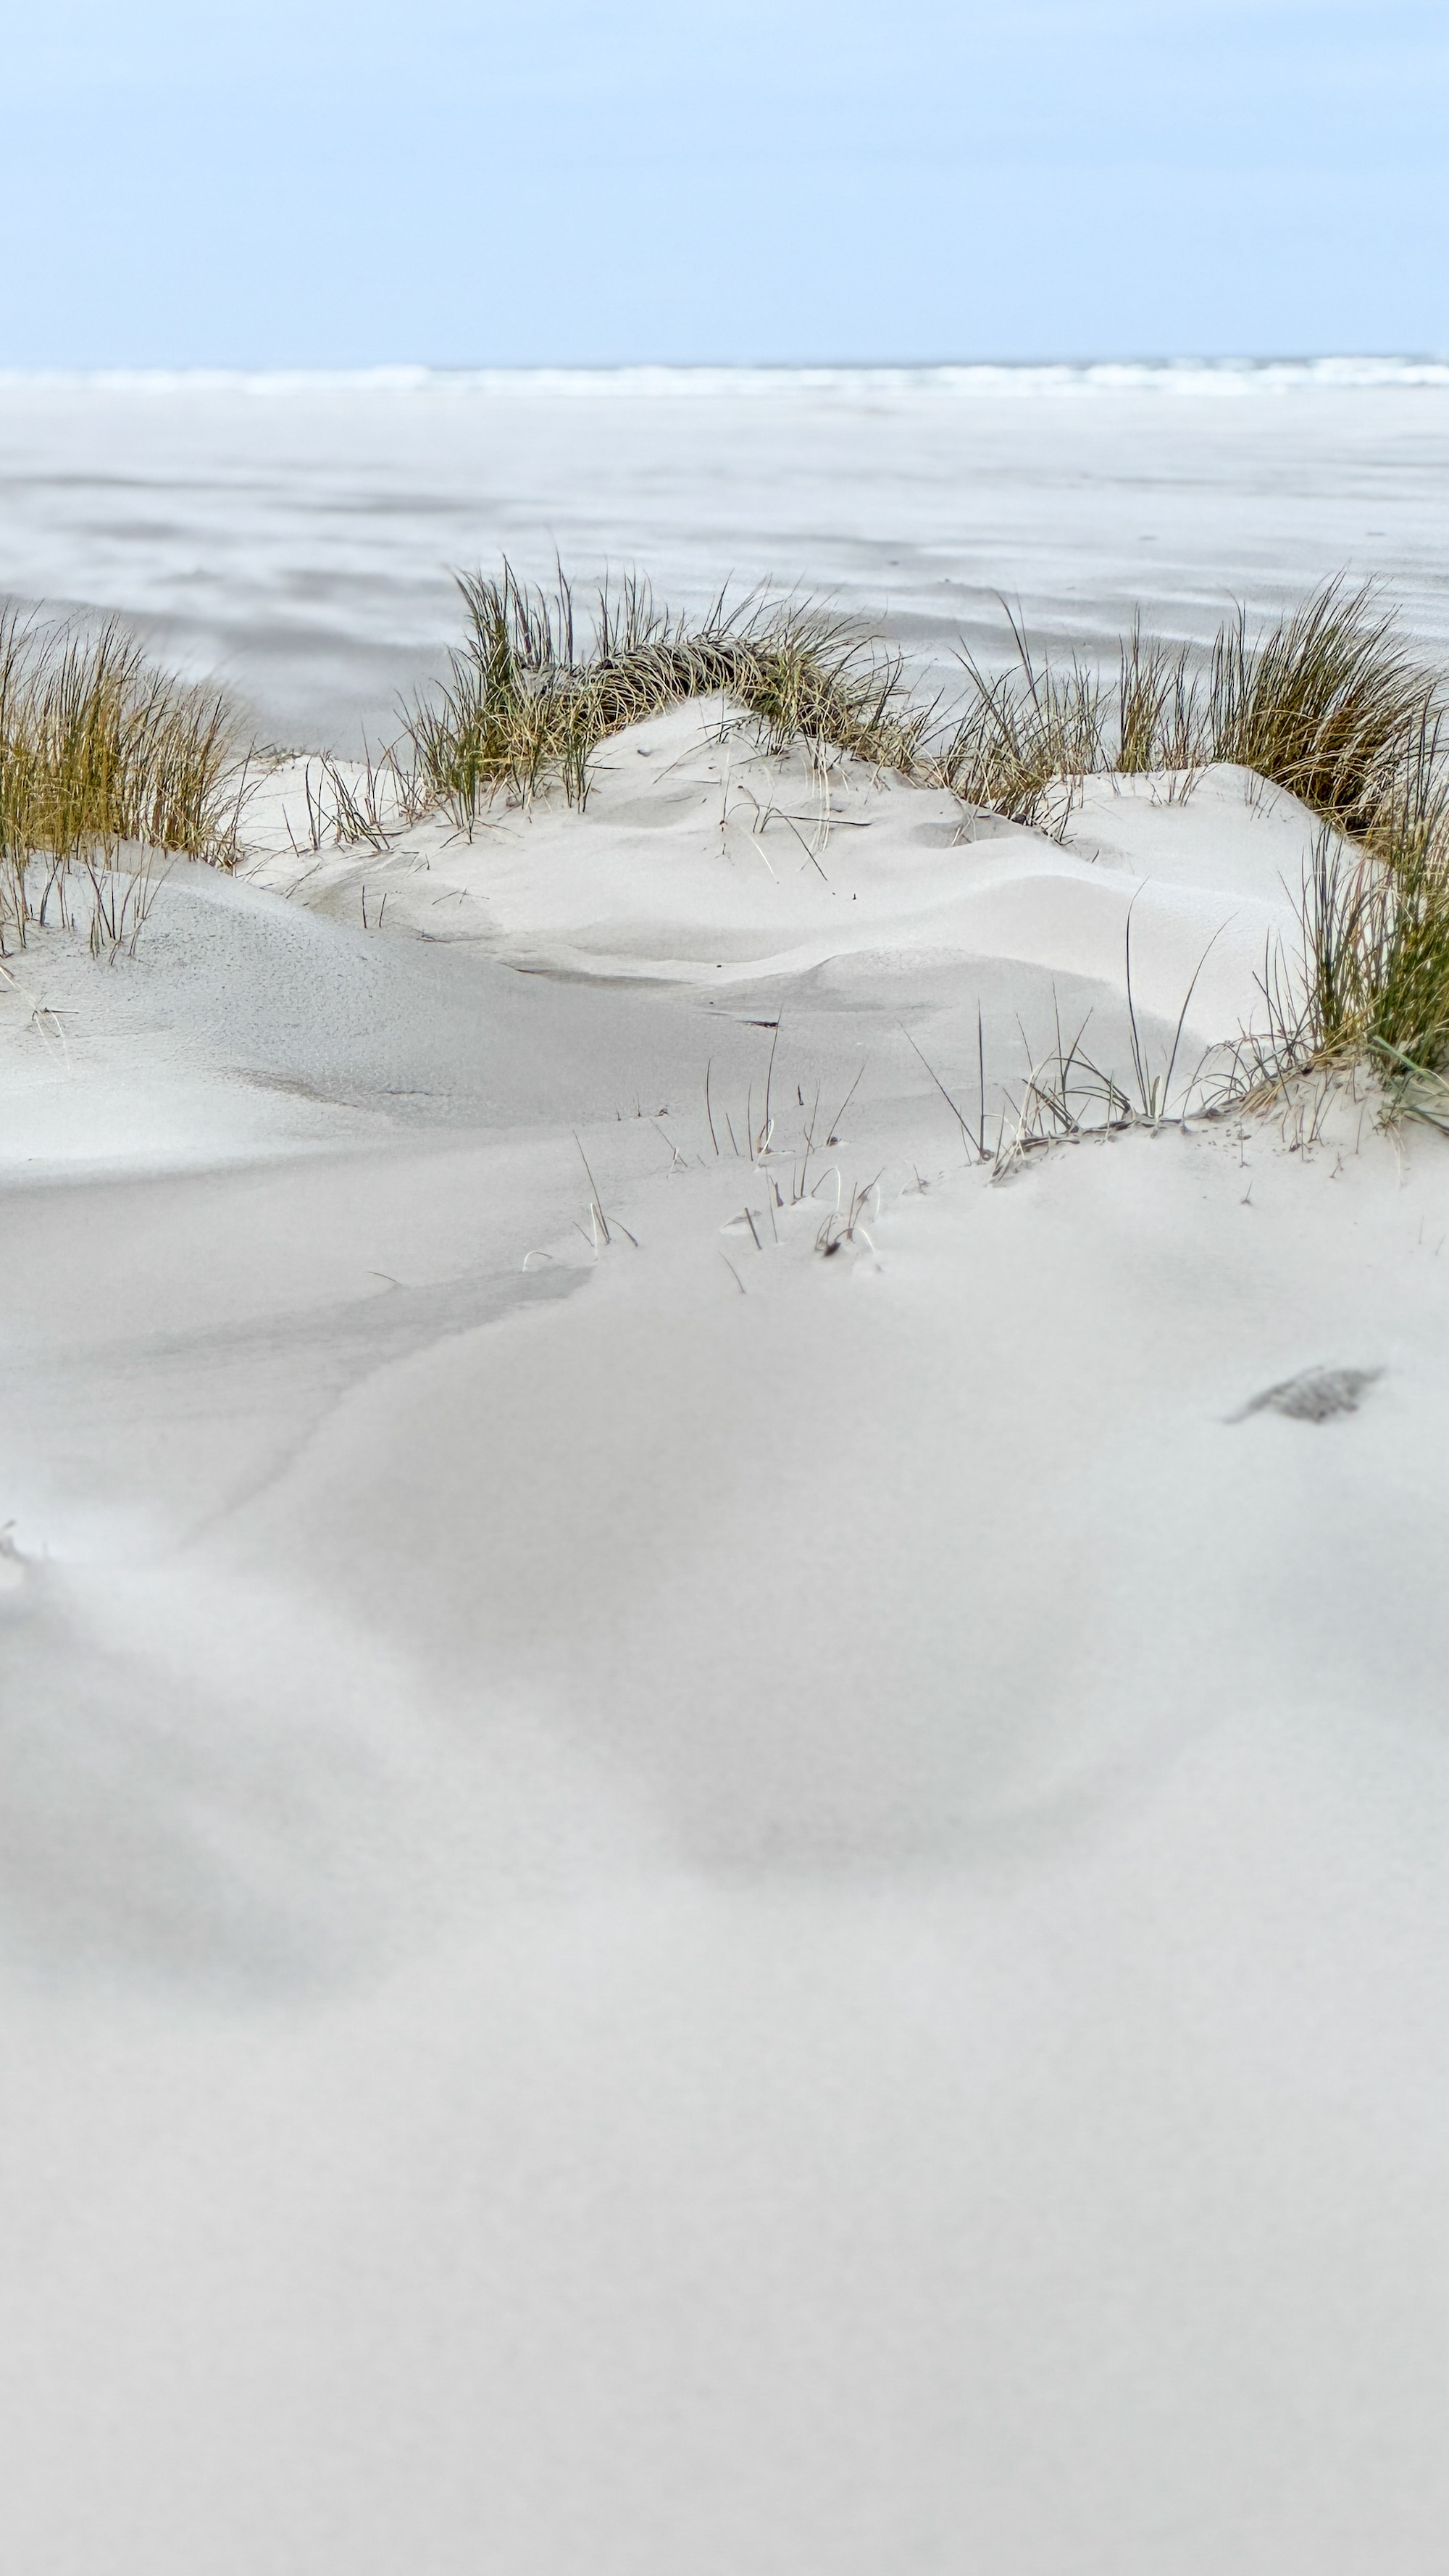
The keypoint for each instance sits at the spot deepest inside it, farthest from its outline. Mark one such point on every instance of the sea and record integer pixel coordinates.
(296, 534)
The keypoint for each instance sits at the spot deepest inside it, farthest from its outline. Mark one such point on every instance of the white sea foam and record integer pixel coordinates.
(1226, 377)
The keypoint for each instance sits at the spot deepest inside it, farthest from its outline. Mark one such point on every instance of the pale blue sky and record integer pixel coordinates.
(343, 182)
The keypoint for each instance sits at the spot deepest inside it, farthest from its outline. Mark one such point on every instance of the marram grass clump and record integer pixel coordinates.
(101, 752)
(1376, 948)
(1328, 703)
(531, 693)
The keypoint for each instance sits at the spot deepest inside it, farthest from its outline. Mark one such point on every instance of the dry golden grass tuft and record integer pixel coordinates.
(530, 694)
(102, 751)
(1328, 703)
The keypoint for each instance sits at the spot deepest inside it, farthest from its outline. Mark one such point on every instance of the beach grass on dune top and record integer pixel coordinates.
(1376, 949)
(101, 750)
(533, 691)
(1329, 703)
(99, 745)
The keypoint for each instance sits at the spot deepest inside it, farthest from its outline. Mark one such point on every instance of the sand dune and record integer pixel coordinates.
(698, 856)
(709, 1860)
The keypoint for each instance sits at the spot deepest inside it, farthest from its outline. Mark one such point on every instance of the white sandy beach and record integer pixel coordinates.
(712, 1857)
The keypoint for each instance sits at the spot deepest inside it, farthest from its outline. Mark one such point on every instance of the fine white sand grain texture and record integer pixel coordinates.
(670, 1898)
